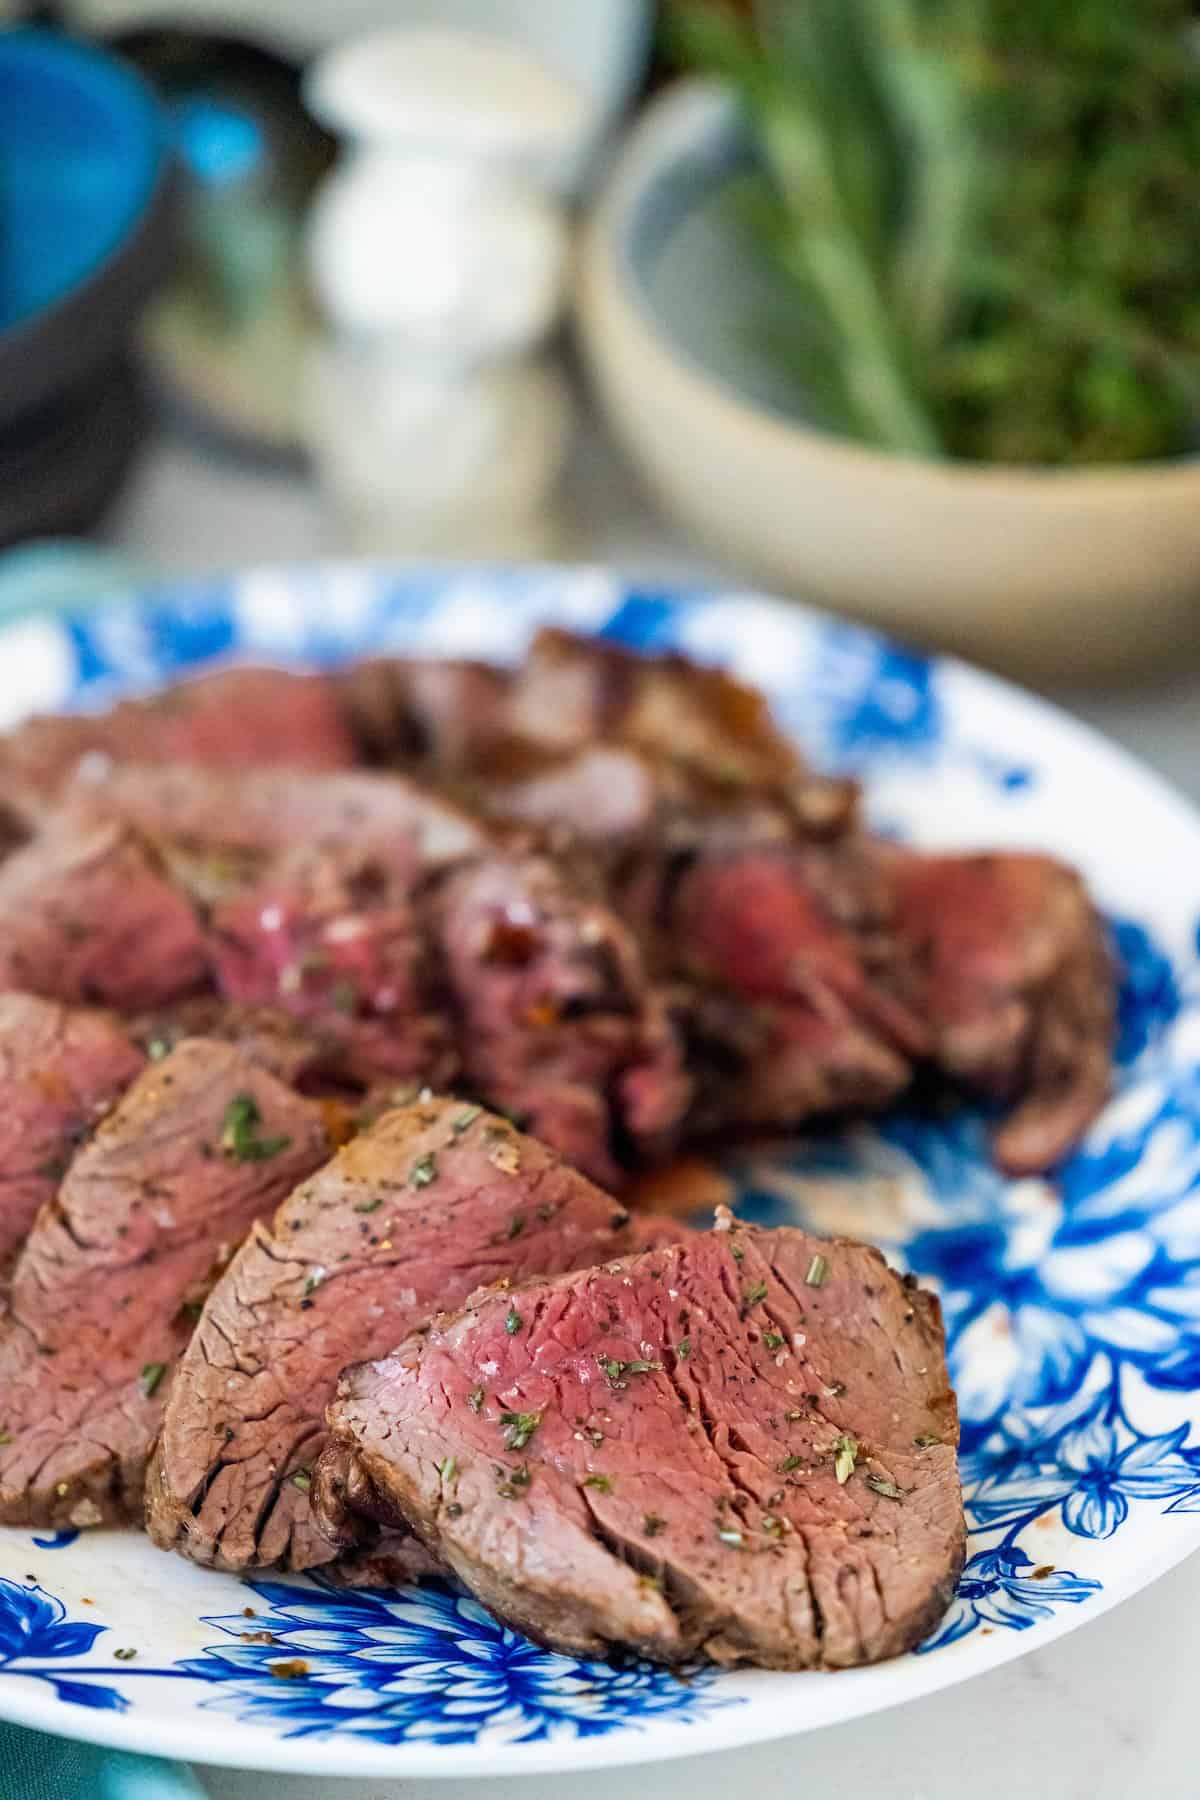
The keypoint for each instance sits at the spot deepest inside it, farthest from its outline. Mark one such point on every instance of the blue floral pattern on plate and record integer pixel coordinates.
(431, 1663)
(1072, 1303)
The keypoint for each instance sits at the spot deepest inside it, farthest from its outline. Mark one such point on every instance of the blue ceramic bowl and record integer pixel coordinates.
(86, 203)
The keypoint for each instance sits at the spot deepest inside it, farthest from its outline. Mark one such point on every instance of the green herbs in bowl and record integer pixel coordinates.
(987, 213)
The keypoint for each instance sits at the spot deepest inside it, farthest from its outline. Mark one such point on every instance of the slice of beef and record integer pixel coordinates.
(1017, 980)
(267, 810)
(631, 801)
(60, 1071)
(424, 711)
(571, 690)
(557, 1022)
(741, 1446)
(780, 1005)
(86, 915)
(105, 1291)
(339, 945)
(270, 1038)
(236, 718)
(435, 1200)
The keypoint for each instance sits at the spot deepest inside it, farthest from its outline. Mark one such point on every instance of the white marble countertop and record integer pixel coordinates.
(1109, 1711)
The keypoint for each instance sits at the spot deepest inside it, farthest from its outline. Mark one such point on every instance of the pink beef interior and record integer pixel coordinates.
(105, 1291)
(743, 1445)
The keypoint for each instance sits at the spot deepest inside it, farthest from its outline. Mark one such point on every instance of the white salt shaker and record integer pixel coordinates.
(437, 256)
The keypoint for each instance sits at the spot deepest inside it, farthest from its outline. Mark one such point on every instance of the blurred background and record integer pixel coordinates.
(891, 305)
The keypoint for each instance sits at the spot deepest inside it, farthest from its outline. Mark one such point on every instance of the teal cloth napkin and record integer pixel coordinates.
(58, 572)
(42, 578)
(36, 1767)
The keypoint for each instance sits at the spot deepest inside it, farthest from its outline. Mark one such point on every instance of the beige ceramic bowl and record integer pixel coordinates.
(1051, 573)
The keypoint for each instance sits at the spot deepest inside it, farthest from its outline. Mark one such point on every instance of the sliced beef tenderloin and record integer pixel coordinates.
(335, 942)
(60, 1071)
(268, 810)
(436, 1199)
(557, 1022)
(105, 1291)
(1016, 977)
(236, 718)
(776, 950)
(87, 915)
(573, 690)
(651, 811)
(741, 1446)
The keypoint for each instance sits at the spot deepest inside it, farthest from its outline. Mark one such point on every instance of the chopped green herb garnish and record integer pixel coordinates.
(239, 1132)
(818, 1269)
(512, 1321)
(789, 1463)
(729, 1535)
(845, 1449)
(152, 1374)
(448, 1469)
(753, 1296)
(424, 1170)
(652, 1524)
(475, 1399)
(5, 1437)
(157, 1048)
(926, 1441)
(454, 1510)
(774, 1340)
(124, 1655)
(512, 1486)
(881, 1485)
(369, 1206)
(736, 1251)
(313, 1282)
(683, 1349)
(516, 1225)
(601, 1483)
(616, 1370)
(519, 1427)
(191, 1309)
(465, 1119)
(302, 1480)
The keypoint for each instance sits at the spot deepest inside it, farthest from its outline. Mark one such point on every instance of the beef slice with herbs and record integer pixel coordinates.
(337, 944)
(88, 916)
(106, 1290)
(555, 1018)
(742, 1446)
(435, 1200)
(60, 1070)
